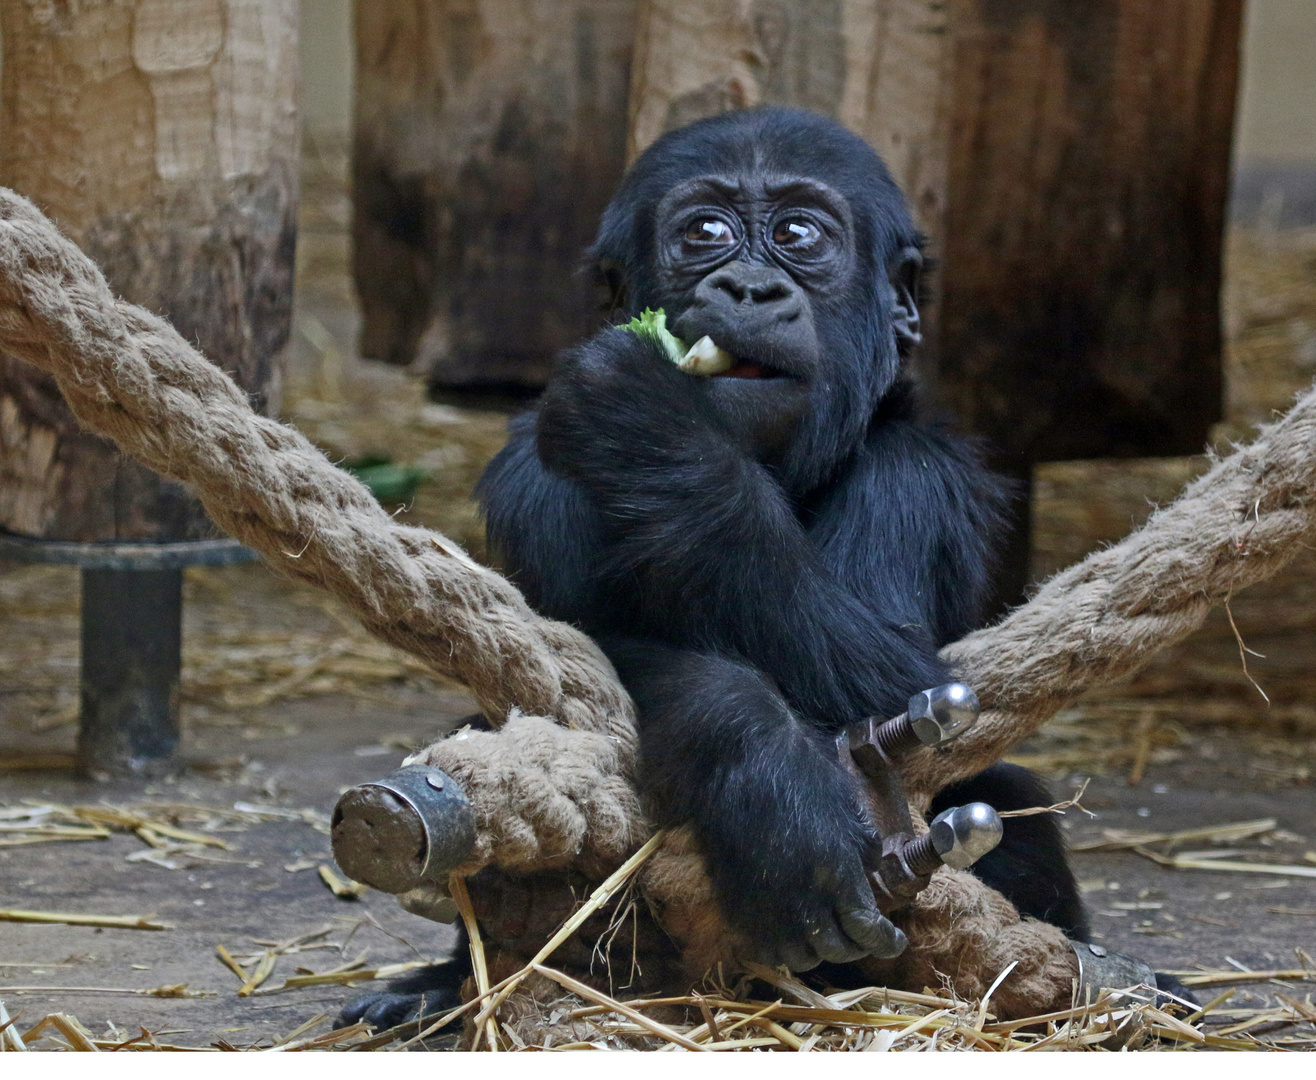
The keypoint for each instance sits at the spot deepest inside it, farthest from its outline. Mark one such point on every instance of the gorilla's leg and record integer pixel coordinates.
(1028, 867)
(426, 992)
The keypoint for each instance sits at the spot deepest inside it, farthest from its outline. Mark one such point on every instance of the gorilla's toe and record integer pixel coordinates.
(425, 993)
(381, 1010)
(1173, 996)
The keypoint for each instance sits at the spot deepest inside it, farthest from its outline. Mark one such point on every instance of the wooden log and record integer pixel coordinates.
(489, 136)
(1088, 179)
(161, 135)
(1089, 167)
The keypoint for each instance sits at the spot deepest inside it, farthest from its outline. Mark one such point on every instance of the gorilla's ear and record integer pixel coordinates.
(903, 273)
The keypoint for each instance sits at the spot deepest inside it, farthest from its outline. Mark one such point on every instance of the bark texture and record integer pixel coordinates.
(489, 136)
(1088, 180)
(161, 135)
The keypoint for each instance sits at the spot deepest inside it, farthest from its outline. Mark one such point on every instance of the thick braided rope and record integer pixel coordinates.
(129, 376)
(1103, 618)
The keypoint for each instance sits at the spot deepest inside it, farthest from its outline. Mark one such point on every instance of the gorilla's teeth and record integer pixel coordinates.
(705, 358)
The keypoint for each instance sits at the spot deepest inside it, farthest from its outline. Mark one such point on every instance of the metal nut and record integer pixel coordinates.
(964, 834)
(943, 713)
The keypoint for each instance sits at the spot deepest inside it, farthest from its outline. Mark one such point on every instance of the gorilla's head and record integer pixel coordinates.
(782, 236)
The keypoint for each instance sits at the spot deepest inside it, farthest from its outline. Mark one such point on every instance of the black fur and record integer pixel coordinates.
(755, 602)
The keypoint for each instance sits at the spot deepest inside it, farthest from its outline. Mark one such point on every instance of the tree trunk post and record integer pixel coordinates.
(1088, 182)
(161, 136)
(489, 137)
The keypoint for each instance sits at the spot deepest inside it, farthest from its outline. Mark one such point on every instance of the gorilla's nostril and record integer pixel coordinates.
(768, 292)
(729, 285)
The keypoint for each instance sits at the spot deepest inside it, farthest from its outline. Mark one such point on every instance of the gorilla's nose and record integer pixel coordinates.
(755, 291)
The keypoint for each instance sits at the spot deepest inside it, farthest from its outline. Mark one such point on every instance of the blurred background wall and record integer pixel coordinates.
(328, 64)
(1274, 149)
(1275, 138)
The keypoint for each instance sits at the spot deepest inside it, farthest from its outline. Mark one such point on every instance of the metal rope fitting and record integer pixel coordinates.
(413, 826)
(933, 718)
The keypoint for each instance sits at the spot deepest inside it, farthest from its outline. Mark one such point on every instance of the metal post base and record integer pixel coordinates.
(131, 663)
(132, 603)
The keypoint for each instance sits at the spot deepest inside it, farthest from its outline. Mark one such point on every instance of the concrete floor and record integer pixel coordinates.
(1192, 918)
(1202, 920)
(249, 897)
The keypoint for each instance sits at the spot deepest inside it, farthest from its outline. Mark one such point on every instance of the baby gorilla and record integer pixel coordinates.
(772, 553)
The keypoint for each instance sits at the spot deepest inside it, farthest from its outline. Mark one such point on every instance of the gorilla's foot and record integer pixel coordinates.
(1173, 997)
(421, 995)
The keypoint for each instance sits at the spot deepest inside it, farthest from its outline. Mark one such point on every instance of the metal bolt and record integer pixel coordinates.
(934, 717)
(959, 837)
(964, 834)
(943, 713)
(435, 780)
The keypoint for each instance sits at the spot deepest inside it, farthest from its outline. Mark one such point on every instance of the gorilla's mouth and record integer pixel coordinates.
(710, 360)
(751, 369)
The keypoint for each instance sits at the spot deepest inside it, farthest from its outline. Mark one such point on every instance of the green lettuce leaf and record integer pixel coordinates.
(654, 324)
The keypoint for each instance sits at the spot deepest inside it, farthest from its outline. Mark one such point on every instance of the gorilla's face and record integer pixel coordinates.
(746, 260)
(779, 235)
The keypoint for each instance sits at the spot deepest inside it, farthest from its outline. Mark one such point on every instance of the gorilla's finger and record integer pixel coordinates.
(873, 932)
(797, 956)
(832, 944)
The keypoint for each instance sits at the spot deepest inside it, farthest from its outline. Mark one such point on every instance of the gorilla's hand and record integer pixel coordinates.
(783, 827)
(616, 405)
(802, 910)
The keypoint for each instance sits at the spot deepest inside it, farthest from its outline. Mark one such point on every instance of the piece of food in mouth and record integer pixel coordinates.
(705, 358)
(701, 358)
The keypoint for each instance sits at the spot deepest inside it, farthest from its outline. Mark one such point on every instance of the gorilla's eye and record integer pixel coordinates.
(710, 231)
(795, 233)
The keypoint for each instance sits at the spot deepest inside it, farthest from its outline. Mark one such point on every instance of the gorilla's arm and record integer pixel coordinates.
(780, 820)
(766, 782)
(542, 526)
(911, 527)
(710, 541)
